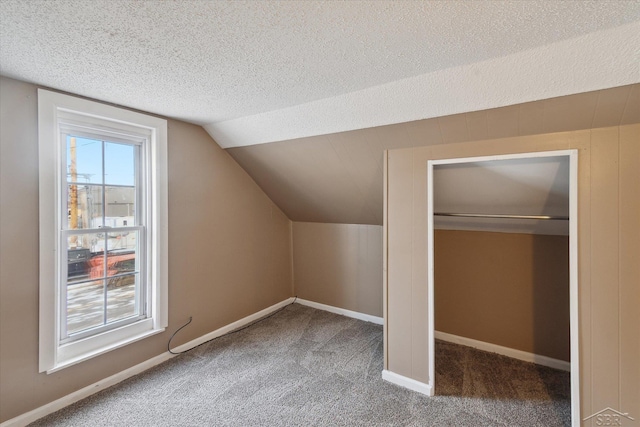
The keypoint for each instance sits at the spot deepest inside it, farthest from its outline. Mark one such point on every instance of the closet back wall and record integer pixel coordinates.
(507, 289)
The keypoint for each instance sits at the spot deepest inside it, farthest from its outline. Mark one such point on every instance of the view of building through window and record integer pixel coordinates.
(102, 234)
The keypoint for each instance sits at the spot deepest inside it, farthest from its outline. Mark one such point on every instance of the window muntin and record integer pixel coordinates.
(104, 286)
(103, 235)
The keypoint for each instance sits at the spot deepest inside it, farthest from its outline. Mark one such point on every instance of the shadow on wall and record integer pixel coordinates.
(551, 332)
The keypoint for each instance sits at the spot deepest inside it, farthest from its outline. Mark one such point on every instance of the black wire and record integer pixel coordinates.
(174, 334)
(224, 335)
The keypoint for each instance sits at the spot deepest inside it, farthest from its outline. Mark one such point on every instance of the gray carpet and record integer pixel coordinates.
(305, 367)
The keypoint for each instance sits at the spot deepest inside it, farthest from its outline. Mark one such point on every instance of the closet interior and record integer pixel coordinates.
(501, 273)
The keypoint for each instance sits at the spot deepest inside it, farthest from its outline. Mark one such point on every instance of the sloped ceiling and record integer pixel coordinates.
(263, 71)
(306, 95)
(338, 177)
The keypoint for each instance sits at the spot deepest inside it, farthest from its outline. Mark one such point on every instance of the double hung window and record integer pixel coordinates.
(104, 284)
(102, 227)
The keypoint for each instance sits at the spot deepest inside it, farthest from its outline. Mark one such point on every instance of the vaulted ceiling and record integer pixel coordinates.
(307, 94)
(338, 177)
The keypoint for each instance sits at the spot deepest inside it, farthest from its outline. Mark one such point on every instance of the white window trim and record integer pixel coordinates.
(51, 106)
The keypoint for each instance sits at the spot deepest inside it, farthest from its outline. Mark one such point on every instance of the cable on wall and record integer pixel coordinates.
(223, 335)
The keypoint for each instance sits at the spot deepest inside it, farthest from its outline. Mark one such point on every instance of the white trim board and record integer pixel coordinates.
(408, 383)
(232, 326)
(505, 351)
(56, 405)
(573, 263)
(342, 311)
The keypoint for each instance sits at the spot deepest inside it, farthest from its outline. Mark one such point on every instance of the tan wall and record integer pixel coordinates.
(609, 250)
(336, 178)
(229, 253)
(504, 288)
(339, 265)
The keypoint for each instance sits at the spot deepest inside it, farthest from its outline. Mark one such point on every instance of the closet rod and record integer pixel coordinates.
(476, 215)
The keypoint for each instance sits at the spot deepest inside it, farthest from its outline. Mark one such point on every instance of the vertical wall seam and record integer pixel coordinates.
(486, 121)
(413, 237)
(626, 104)
(466, 123)
(591, 156)
(385, 261)
(440, 130)
(595, 109)
(619, 272)
(293, 279)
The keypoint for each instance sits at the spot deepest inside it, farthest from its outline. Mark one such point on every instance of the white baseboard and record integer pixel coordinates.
(232, 326)
(405, 382)
(56, 405)
(342, 311)
(505, 351)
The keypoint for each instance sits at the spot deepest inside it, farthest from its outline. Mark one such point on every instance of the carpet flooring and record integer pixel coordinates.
(306, 367)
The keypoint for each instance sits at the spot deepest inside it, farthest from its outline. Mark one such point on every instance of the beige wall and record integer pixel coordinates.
(229, 253)
(508, 289)
(609, 250)
(339, 265)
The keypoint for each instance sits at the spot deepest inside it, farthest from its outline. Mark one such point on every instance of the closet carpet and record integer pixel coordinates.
(306, 367)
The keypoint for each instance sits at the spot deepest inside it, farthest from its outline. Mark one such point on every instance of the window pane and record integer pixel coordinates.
(84, 160)
(121, 297)
(119, 161)
(84, 206)
(122, 253)
(120, 206)
(85, 257)
(85, 306)
(123, 243)
(78, 265)
(121, 262)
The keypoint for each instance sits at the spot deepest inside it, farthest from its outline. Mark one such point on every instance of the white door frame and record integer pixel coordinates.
(573, 264)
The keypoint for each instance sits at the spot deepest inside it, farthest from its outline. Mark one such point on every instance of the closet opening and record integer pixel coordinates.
(503, 276)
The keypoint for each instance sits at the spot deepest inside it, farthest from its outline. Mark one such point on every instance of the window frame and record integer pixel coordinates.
(140, 142)
(55, 111)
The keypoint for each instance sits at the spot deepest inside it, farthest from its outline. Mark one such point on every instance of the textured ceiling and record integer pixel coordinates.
(337, 82)
(261, 71)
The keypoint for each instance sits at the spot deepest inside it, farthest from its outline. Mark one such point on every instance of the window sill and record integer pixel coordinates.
(66, 356)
